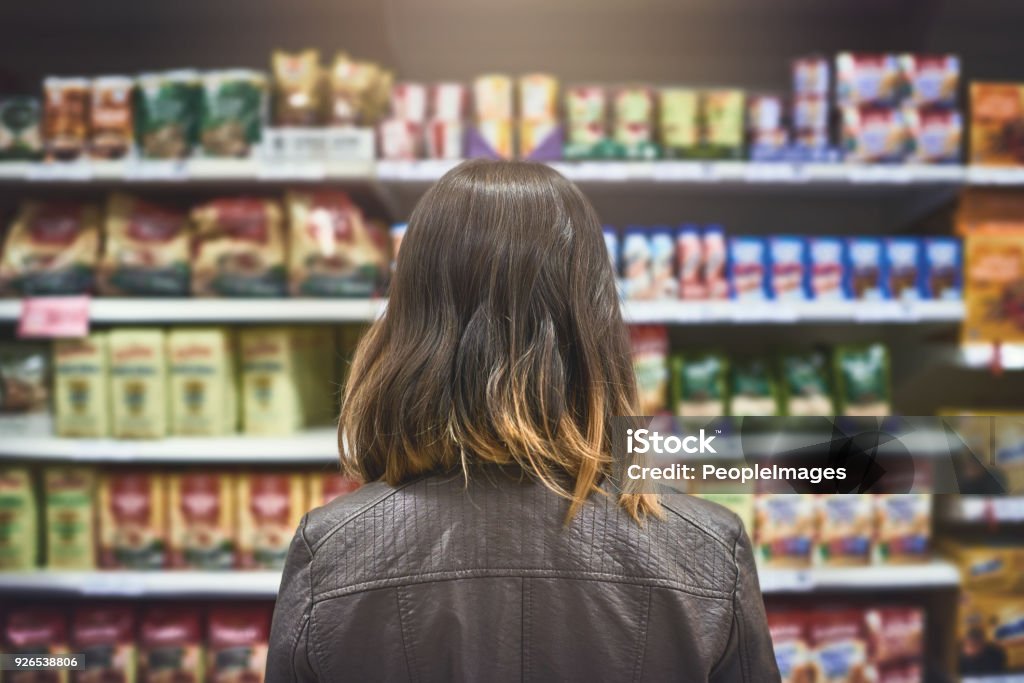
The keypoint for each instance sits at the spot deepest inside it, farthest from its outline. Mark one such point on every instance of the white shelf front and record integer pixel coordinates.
(935, 574)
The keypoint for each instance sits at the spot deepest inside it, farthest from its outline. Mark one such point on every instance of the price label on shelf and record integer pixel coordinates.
(78, 171)
(54, 317)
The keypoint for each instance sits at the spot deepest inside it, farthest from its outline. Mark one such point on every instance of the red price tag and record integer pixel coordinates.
(54, 317)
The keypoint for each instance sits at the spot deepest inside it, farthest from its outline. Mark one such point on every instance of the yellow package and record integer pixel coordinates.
(138, 383)
(297, 91)
(903, 530)
(133, 520)
(201, 380)
(492, 98)
(146, 251)
(270, 383)
(785, 529)
(270, 507)
(239, 249)
(991, 631)
(845, 529)
(51, 249)
(993, 287)
(70, 539)
(80, 368)
(18, 549)
(202, 519)
(538, 98)
(992, 568)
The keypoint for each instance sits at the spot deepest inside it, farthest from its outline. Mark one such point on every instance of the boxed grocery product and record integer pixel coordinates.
(239, 249)
(138, 383)
(690, 263)
(679, 121)
(323, 487)
(864, 272)
(170, 644)
(862, 380)
(167, 114)
(232, 111)
(69, 493)
(994, 287)
(997, 115)
(989, 633)
(986, 566)
(806, 388)
(132, 520)
(586, 120)
(496, 136)
(753, 388)
(492, 98)
(903, 524)
(297, 93)
(904, 273)
(51, 249)
(811, 117)
(787, 275)
(80, 391)
(110, 117)
(633, 121)
(895, 633)
(868, 79)
(334, 251)
(943, 268)
(238, 637)
(873, 133)
(37, 630)
(65, 117)
(270, 396)
(24, 379)
(270, 506)
(202, 519)
(789, 641)
(722, 117)
(826, 268)
(649, 345)
(845, 529)
(20, 135)
(903, 672)
(699, 385)
(409, 102)
(784, 524)
(105, 635)
(715, 255)
(539, 140)
(767, 134)
(202, 398)
(811, 76)
(18, 540)
(538, 97)
(663, 255)
(935, 134)
(637, 257)
(931, 79)
(840, 647)
(445, 139)
(400, 139)
(147, 249)
(748, 268)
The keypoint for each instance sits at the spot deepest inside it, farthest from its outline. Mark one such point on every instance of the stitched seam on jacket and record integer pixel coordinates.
(410, 660)
(740, 635)
(359, 511)
(697, 525)
(524, 635)
(304, 622)
(638, 666)
(435, 577)
(316, 645)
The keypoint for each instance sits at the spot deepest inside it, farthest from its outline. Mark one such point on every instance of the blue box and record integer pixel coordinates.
(903, 273)
(827, 269)
(943, 268)
(787, 257)
(748, 269)
(865, 276)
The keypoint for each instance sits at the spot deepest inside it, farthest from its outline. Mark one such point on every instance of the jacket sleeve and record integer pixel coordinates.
(289, 658)
(748, 656)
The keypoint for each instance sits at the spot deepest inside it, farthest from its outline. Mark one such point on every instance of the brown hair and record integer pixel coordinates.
(503, 341)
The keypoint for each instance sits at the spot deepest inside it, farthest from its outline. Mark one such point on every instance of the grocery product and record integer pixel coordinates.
(826, 268)
(270, 506)
(935, 134)
(20, 135)
(931, 80)
(722, 123)
(202, 399)
(167, 114)
(334, 251)
(699, 384)
(51, 248)
(994, 287)
(633, 121)
(65, 117)
(748, 269)
(997, 116)
(811, 76)
(715, 254)
(171, 644)
(492, 98)
(865, 270)
(753, 389)
(805, 386)
(238, 637)
(18, 522)
(81, 398)
(232, 111)
(270, 397)
(147, 249)
(988, 567)
(679, 121)
(874, 133)
(903, 271)
(690, 263)
(766, 132)
(586, 120)
(862, 380)
(36, 630)
(649, 345)
(399, 139)
(359, 92)
(105, 635)
(840, 647)
(445, 139)
(637, 255)
(868, 78)
(789, 640)
(784, 524)
(787, 276)
(138, 383)
(132, 520)
(663, 255)
(297, 92)
(69, 494)
(24, 378)
(239, 249)
(448, 102)
(943, 268)
(202, 519)
(989, 633)
(538, 97)
(845, 529)
(110, 117)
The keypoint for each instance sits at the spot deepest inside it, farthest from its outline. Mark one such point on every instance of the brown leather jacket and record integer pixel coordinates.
(438, 580)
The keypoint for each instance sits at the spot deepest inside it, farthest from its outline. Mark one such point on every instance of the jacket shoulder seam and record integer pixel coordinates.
(703, 528)
(358, 512)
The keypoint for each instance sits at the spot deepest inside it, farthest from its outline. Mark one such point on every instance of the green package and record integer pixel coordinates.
(20, 137)
(699, 384)
(18, 539)
(862, 380)
(69, 494)
(167, 114)
(233, 109)
(753, 389)
(806, 388)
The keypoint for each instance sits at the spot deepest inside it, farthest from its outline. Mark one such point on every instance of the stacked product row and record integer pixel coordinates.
(149, 643)
(694, 263)
(849, 380)
(315, 244)
(81, 518)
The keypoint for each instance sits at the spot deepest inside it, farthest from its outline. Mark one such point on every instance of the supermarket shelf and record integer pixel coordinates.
(130, 311)
(994, 678)
(985, 509)
(264, 584)
(191, 170)
(312, 447)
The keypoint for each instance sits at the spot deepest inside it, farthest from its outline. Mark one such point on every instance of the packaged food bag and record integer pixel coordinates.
(138, 383)
(80, 386)
(334, 250)
(203, 396)
(238, 638)
(233, 108)
(806, 385)
(753, 388)
(862, 380)
(147, 249)
(700, 384)
(845, 529)
(37, 630)
(297, 94)
(360, 92)
(202, 519)
(239, 249)
(20, 132)
(785, 524)
(840, 643)
(270, 507)
(24, 379)
(51, 249)
(788, 631)
(18, 540)
(70, 494)
(65, 117)
(167, 114)
(111, 119)
(132, 519)
(649, 346)
(171, 644)
(904, 527)
(105, 634)
(271, 401)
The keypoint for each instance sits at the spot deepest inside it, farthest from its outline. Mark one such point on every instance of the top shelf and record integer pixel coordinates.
(676, 172)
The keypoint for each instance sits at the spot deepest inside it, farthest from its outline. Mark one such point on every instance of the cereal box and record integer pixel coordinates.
(70, 513)
(903, 279)
(538, 97)
(874, 133)
(138, 383)
(18, 544)
(868, 78)
(845, 529)
(81, 404)
(935, 134)
(202, 383)
(492, 98)
(132, 520)
(991, 633)
(787, 276)
(723, 112)
(785, 529)
(270, 506)
(586, 120)
(826, 268)
(806, 387)
(931, 79)
(679, 120)
(715, 257)
(690, 263)
(943, 268)
(202, 519)
(903, 524)
(997, 114)
(862, 380)
(840, 647)
(748, 269)
(994, 287)
(864, 272)
(789, 641)
(811, 76)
